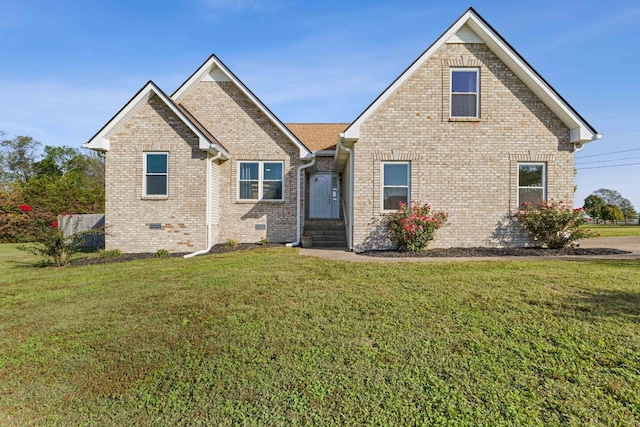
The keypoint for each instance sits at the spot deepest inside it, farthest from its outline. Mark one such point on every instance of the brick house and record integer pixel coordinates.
(470, 126)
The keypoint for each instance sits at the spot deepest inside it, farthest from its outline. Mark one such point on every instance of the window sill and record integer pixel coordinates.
(255, 201)
(155, 197)
(466, 119)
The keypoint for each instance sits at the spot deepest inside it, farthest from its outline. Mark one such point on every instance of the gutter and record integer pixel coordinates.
(351, 195)
(208, 209)
(577, 146)
(298, 231)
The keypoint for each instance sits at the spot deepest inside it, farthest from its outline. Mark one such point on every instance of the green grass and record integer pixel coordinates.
(268, 337)
(615, 230)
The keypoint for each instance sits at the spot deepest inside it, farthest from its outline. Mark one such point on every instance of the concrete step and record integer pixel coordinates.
(326, 233)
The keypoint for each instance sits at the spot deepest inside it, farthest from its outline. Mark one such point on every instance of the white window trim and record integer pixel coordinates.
(260, 181)
(476, 93)
(145, 174)
(544, 180)
(382, 186)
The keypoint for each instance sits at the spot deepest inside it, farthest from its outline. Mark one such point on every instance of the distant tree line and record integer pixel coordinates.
(609, 206)
(50, 180)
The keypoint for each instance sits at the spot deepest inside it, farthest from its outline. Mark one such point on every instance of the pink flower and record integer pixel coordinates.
(25, 208)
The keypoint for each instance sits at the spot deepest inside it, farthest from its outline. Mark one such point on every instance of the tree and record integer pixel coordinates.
(610, 197)
(17, 157)
(593, 206)
(63, 180)
(57, 161)
(611, 213)
(627, 209)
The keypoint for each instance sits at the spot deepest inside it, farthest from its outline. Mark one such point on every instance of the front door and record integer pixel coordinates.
(321, 195)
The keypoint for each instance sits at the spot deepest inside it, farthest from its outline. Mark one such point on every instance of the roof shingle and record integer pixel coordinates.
(318, 136)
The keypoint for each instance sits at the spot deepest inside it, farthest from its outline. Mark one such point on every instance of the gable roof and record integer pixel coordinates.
(215, 69)
(206, 141)
(318, 136)
(472, 28)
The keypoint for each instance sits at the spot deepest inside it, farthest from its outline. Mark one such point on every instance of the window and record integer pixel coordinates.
(156, 174)
(464, 92)
(531, 183)
(260, 181)
(395, 185)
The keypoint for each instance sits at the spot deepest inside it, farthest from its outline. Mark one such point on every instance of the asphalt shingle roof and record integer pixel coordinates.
(318, 136)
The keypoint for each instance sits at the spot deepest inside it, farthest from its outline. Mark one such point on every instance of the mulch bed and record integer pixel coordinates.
(434, 253)
(217, 249)
(494, 252)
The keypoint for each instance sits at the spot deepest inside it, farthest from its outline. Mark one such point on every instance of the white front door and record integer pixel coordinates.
(320, 193)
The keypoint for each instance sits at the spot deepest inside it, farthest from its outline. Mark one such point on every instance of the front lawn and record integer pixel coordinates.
(267, 337)
(615, 230)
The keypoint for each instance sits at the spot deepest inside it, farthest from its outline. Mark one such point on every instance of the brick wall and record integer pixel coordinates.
(465, 167)
(247, 134)
(128, 215)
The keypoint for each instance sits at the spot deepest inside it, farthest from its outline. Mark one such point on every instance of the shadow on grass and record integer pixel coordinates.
(604, 302)
(615, 303)
(45, 262)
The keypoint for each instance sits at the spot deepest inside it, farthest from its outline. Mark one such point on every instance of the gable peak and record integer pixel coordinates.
(465, 35)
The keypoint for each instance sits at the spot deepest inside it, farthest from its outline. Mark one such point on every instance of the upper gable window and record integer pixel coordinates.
(156, 174)
(260, 181)
(465, 92)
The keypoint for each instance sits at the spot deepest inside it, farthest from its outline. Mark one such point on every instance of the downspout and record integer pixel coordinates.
(208, 209)
(298, 231)
(351, 195)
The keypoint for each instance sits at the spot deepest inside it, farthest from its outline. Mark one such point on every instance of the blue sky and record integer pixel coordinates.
(66, 67)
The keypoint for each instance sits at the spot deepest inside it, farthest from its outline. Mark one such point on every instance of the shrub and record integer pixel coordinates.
(554, 224)
(412, 227)
(162, 253)
(50, 240)
(109, 253)
(18, 220)
(232, 243)
(263, 242)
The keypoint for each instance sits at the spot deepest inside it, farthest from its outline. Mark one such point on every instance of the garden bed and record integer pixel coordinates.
(494, 252)
(216, 249)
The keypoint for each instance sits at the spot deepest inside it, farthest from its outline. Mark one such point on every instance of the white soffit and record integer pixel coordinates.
(471, 26)
(214, 70)
(215, 75)
(100, 141)
(465, 35)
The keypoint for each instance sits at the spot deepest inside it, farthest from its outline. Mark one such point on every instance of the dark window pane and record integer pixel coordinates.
(157, 184)
(463, 81)
(249, 190)
(393, 197)
(156, 163)
(249, 171)
(395, 174)
(273, 171)
(272, 190)
(531, 195)
(463, 105)
(530, 175)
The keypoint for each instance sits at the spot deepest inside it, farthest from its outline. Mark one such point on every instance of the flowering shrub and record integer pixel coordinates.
(50, 240)
(554, 224)
(411, 228)
(15, 226)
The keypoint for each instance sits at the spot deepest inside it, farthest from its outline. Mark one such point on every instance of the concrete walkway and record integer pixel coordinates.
(623, 243)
